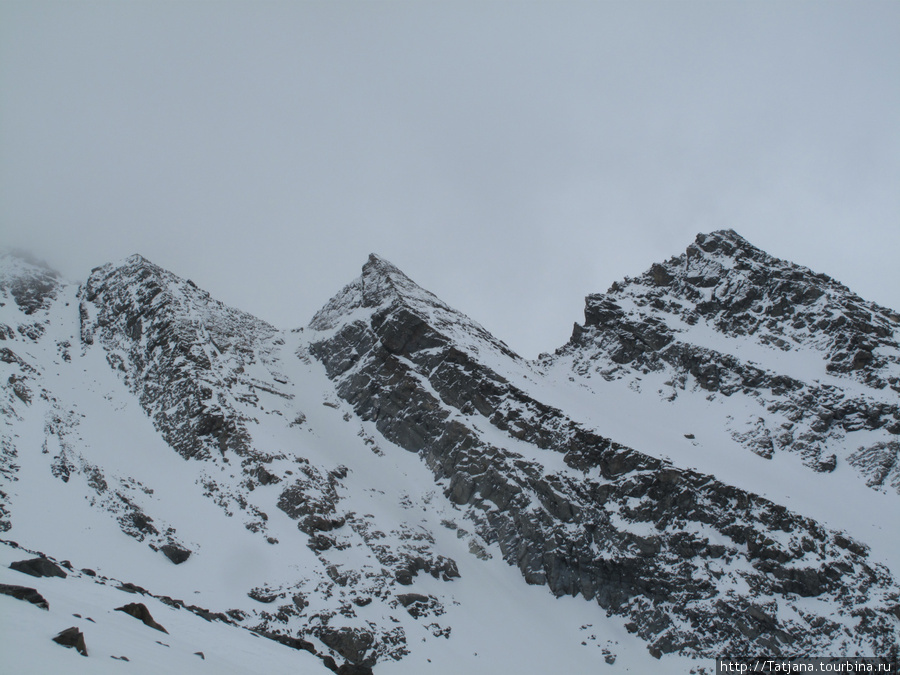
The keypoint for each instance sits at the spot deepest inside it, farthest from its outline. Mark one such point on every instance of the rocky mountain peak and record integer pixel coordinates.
(137, 260)
(383, 282)
(727, 318)
(526, 474)
(727, 240)
(386, 296)
(175, 347)
(380, 283)
(736, 289)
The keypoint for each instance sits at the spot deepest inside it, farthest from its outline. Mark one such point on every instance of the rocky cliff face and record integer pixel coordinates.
(185, 355)
(376, 465)
(581, 513)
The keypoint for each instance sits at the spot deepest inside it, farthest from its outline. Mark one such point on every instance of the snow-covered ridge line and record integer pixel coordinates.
(392, 484)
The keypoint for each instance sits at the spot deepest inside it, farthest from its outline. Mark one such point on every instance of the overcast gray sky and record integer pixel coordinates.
(511, 157)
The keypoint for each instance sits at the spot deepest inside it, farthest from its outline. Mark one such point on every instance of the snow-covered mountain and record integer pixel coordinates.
(709, 467)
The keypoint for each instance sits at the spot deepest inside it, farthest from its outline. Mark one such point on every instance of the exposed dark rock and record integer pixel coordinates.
(72, 637)
(24, 593)
(38, 567)
(288, 641)
(650, 543)
(407, 599)
(139, 611)
(351, 643)
(206, 614)
(320, 542)
(263, 595)
(354, 669)
(129, 587)
(738, 290)
(420, 605)
(139, 308)
(879, 464)
(177, 554)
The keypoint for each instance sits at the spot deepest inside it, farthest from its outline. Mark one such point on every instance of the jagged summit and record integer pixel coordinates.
(155, 289)
(382, 281)
(487, 432)
(736, 289)
(384, 292)
(139, 260)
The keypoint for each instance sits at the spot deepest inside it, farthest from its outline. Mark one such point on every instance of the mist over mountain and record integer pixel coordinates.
(710, 466)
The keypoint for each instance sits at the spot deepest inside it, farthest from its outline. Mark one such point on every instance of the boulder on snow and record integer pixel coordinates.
(177, 554)
(25, 593)
(139, 611)
(72, 637)
(129, 587)
(38, 567)
(407, 599)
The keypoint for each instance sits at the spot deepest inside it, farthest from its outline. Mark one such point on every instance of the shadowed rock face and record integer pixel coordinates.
(644, 539)
(177, 554)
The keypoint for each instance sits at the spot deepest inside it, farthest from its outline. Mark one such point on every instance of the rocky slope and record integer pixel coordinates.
(376, 488)
(579, 512)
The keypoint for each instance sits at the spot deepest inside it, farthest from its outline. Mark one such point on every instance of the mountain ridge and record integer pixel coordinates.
(299, 441)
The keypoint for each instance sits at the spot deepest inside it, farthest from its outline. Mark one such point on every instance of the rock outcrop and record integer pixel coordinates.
(74, 638)
(24, 593)
(181, 352)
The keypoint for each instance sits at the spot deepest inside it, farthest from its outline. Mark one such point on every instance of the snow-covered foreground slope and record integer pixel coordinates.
(392, 487)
